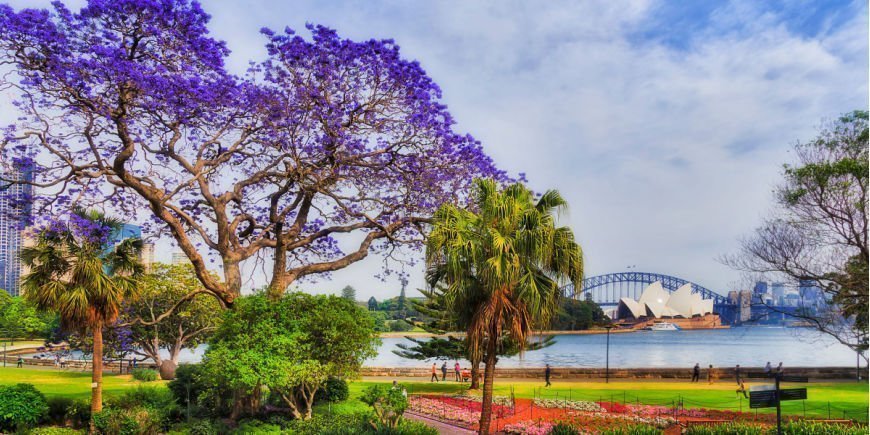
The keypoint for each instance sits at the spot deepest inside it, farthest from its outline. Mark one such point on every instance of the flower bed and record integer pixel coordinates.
(497, 400)
(529, 428)
(440, 410)
(576, 405)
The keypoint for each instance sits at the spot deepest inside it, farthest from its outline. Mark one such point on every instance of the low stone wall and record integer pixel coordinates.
(114, 366)
(827, 373)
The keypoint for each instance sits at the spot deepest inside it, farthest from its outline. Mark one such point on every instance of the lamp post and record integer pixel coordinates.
(607, 357)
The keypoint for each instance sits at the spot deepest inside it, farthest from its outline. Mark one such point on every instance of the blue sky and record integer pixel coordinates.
(665, 124)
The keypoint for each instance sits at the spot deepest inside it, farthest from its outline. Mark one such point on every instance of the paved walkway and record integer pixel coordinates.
(443, 428)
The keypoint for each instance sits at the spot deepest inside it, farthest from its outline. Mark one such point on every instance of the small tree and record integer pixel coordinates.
(388, 403)
(373, 304)
(186, 328)
(290, 346)
(349, 293)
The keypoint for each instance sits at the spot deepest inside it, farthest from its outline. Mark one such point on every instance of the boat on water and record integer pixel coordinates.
(662, 326)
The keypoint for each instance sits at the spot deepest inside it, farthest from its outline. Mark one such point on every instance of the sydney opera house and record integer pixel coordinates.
(682, 307)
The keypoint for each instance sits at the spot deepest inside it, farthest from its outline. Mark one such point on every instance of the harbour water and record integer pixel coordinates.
(747, 346)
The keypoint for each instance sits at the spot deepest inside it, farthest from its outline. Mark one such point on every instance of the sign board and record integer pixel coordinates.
(793, 394)
(768, 387)
(803, 379)
(767, 398)
(762, 399)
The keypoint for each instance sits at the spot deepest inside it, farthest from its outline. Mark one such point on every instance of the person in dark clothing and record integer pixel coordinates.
(768, 370)
(737, 373)
(547, 375)
(779, 368)
(741, 388)
(696, 372)
(444, 372)
(20, 361)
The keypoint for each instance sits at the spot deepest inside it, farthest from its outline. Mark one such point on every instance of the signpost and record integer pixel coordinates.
(769, 396)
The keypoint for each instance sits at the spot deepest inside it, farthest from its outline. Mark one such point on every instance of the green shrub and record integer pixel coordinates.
(57, 409)
(133, 421)
(51, 430)
(257, 427)
(819, 428)
(388, 403)
(207, 398)
(641, 429)
(400, 326)
(158, 399)
(78, 413)
(21, 406)
(564, 429)
(355, 424)
(145, 375)
(728, 429)
(200, 427)
(333, 390)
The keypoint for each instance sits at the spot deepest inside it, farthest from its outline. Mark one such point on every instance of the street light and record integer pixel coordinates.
(607, 358)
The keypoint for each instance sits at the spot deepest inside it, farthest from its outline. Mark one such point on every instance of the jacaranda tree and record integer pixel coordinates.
(74, 274)
(506, 258)
(128, 103)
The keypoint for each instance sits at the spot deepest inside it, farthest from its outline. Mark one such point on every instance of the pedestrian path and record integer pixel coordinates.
(443, 428)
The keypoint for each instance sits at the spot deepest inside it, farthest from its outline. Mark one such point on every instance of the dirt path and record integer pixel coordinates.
(443, 428)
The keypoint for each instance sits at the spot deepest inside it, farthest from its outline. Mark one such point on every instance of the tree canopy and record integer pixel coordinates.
(128, 104)
(290, 346)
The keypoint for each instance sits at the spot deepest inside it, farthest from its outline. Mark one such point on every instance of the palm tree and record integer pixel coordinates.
(74, 274)
(507, 258)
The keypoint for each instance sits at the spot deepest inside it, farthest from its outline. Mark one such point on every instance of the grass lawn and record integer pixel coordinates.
(72, 383)
(851, 397)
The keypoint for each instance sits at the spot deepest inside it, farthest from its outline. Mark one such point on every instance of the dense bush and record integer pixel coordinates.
(57, 408)
(200, 427)
(333, 390)
(145, 375)
(791, 428)
(257, 427)
(564, 429)
(133, 421)
(641, 429)
(354, 424)
(21, 406)
(400, 326)
(51, 430)
(388, 404)
(78, 413)
(207, 399)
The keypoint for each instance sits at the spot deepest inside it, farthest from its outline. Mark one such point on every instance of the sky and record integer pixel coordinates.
(664, 124)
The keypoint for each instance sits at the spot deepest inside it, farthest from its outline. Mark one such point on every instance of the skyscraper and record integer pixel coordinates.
(15, 207)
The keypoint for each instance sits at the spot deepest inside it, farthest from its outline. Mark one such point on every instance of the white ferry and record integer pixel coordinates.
(662, 326)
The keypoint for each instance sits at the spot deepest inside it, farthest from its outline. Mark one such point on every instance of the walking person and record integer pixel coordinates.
(696, 372)
(779, 368)
(20, 361)
(444, 372)
(768, 370)
(547, 375)
(434, 373)
(456, 369)
(741, 388)
(711, 375)
(737, 373)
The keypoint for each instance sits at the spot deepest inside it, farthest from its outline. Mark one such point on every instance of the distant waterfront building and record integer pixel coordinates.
(683, 306)
(179, 258)
(760, 288)
(777, 289)
(15, 209)
(147, 256)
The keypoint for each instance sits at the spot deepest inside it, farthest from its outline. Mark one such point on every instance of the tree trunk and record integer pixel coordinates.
(97, 373)
(488, 379)
(475, 375)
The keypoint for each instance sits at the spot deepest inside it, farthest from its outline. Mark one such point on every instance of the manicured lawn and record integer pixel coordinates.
(72, 383)
(851, 397)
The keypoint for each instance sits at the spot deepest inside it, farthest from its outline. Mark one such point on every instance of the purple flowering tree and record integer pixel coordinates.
(324, 152)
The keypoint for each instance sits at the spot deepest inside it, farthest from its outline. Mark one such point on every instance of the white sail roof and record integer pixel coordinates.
(656, 301)
(655, 298)
(681, 301)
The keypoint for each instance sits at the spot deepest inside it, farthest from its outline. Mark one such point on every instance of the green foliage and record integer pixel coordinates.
(373, 304)
(640, 429)
(21, 405)
(388, 403)
(380, 320)
(158, 399)
(20, 318)
(188, 326)
(291, 345)
(145, 375)
(797, 427)
(354, 424)
(256, 427)
(57, 409)
(564, 429)
(51, 430)
(349, 293)
(400, 326)
(575, 315)
(133, 421)
(200, 427)
(78, 413)
(333, 390)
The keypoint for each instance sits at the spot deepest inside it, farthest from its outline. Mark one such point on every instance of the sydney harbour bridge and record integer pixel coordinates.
(606, 290)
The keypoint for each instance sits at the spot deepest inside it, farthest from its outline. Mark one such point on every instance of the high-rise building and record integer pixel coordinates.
(16, 201)
(778, 291)
(760, 288)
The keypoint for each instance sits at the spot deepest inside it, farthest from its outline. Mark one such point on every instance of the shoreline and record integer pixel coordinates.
(461, 334)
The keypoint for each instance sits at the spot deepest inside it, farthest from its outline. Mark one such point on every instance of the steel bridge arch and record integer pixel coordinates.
(670, 283)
